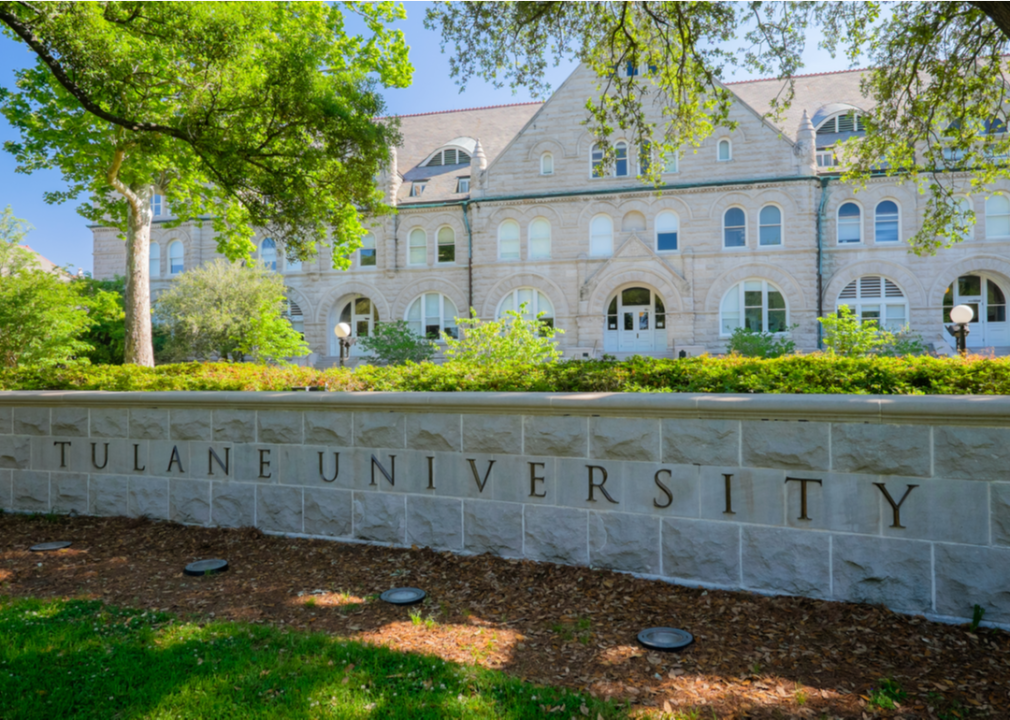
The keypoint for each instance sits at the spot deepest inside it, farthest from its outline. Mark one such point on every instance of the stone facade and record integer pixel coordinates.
(748, 206)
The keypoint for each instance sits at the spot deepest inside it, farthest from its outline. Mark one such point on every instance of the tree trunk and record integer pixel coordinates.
(998, 12)
(139, 348)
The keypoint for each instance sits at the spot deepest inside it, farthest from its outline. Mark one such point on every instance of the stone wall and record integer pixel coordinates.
(903, 501)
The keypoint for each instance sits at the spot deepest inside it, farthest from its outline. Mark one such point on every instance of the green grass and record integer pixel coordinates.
(887, 695)
(83, 659)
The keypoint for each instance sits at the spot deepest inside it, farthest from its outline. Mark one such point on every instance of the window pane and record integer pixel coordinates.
(345, 314)
(969, 285)
(635, 296)
(735, 237)
(775, 300)
(724, 149)
(848, 210)
(547, 164)
(540, 239)
(446, 236)
(752, 319)
(597, 161)
(544, 305)
(670, 163)
(735, 218)
(612, 310)
(155, 260)
(362, 329)
(887, 231)
(601, 241)
(994, 294)
(508, 236)
(367, 258)
(848, 231)
(770, 235)
(525, 295)
(776, 321)
(752, 298)
(771, 215)
(621, 165)
(362, 306)
(666, 222)
(418, 256)
(666, 241)
(730, 322)
(996, 313)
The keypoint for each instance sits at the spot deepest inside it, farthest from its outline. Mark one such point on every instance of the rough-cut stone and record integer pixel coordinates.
(109, 494)
(190, 424)
(258, 463)
(999, 503)
(31, 491)
(701, 550)
(966, 576)
(756, 495)
(846, 503)
(494, 527)
(701, 442)
(189, 502)
(624, 439)
(435, 522)
(279, 426)
(233, 504)
(493, 434)
(6, 490)
(63, 454)
(110, 422)
(555, 534)
(148, 497)
(944, 510)
(513, 483)
(234, 425)
(781, 444)
(608, 478)
(557, 436)
(971, 453)
(148, 424)
(6, 420)
(790, 562)
(279, 509)
(31, 421)
(328, 427)
(880, 449)
(68, 493)
(379, 517)
(70, 421)
(169, 458)
(379, 430)
(433, 432)
(642, 494)
(622, 541)
(895, 573)
(328, 512)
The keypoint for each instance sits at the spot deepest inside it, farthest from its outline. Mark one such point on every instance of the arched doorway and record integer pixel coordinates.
(987, 298)
(361, 314)
(635, 321)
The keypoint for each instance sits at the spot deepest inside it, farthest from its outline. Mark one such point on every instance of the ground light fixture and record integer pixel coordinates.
(961, 316)
(49, 546)
(665, 638)
(206, 567)
(403, 596)
(343, 333)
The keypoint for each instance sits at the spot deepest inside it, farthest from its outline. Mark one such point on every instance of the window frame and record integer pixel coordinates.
(838, 224)
(856, 304)
(374, 249)
(518, 240)
(876, 210)
(274, 262)
(157, 205)
(1006, 199)
(655, 233)
(439, 243)
(154, 271)
(442, 297)
(741, 299)
(546, 156)
(718, 150)
(460, 182)
(592, 221)
(182, 256)
(529, 239)
(725, 212)
(410, 246)
(620, 145)
(537, 292)
(781, 226)
(417, 188)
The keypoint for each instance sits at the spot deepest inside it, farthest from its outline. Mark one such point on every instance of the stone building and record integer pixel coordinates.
(503, 205)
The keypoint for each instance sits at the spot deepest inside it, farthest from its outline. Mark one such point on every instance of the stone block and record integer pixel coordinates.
(258, 464)
(6, 490)
(606, 476)
(6, 420)
(328, 427)
(785, 444)
(789, 562)
(189, 424)
(493, 434)
(881, 449)
(701, 442)
(944, 510)
(279, 509)
(493, 527)
(624, 439)
(31, 421)
(701, 550)
(895, 573)
(971, 453)
(328, 512)
(68, 493)
(148, 497)
(554, 534)
(435, 522)
(109, 494)
(379, 517)
(279, 426)
(407, 470)
(434, 432)
(122, 457)
(148, 424)
(169, 458)
(233, 504)
(555, 436)
(379, 430)
(623, 541)
(966, 576)
(110, 422)
(64, 454)
(756, 496)
(213, 461)
(529, 480)
(70, 421)
(189, 501)
(678, 495)
(846, 503)
(31, 490)
(472, 475)
(234, 426)
(999, 504)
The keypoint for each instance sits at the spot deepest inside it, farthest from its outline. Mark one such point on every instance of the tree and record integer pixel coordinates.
(104, 302)
(253, 114)
(394, 343)
(229, 311)
(513, 339)
(13, 257)
(937, 84)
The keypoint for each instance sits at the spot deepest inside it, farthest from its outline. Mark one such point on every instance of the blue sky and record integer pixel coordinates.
(60, 233)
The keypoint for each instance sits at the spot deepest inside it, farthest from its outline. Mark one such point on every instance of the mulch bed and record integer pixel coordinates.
(754, 656)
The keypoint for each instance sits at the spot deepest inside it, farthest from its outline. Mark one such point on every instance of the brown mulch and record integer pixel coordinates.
(754, 656)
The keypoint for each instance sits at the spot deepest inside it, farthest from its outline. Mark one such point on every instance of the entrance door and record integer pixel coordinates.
(636, 332)
(987, 300)
(635, 322)
(361, 314)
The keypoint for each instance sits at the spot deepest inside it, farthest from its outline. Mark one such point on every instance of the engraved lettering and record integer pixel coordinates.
(803, 494)
(136, 460)
(175, 459)
(431, 472)
(336, 467)
(213, 457)
(265, 463)
(63, 451)
(534, 479)
(665, 489)
(729, 494)
(598, 486)
(895, 506)
(390, 476)
(105, 459)
(476, 475)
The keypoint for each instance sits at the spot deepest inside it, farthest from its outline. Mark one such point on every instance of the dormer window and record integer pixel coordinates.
(449, 156)
(417, 188)
(849, 122)
(463, 185)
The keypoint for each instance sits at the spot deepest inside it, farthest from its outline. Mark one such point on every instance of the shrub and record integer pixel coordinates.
(107, 334)
(752, 343)
(512, 339)
(394, 343)
(845, 334)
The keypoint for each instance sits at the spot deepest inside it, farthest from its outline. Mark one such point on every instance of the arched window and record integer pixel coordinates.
(755, 305)
(417, 247)
(997, 217)
(508, 240)
(621, 159)
(366, 253)
(876, 299)
(725, 150)
(446, 245)
(601, 236)
(295, 317)
(155, 261)
(158, 205)
(292, 265)
(432, 314)
(176, 256)
(770, 225)
(547, 164)
(734, 228)
(268, 254)
(536, 303)
(597, 160)
(361, 315)
(885, 226)
(850, 223)
(540, 239)
(667, 227)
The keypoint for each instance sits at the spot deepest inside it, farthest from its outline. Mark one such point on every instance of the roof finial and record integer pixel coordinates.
(806, 146)
(478, 153)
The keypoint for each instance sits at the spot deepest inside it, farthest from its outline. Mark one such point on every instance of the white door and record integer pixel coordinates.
(987, 300)
(635, 322)
(636, 332)
(361, 314)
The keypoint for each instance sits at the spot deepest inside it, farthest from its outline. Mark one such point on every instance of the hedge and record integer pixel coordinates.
(805, 374)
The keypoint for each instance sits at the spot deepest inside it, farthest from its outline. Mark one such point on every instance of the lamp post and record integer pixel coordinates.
(960, 317)
(343, 333)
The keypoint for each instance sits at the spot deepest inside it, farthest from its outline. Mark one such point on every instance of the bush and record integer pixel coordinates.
(508, 340)
(752, 343)
(845, 334)
(104, 302)
(394, 343)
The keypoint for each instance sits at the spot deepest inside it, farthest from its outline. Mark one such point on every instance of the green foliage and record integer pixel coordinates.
(13, 257)
(887, 695)
(104, 302)
(904, 343)
(228, 310)
(513, 339)
(845, 334)
(42, 321)
(394, 343)
(754, 343)
(977, 613)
